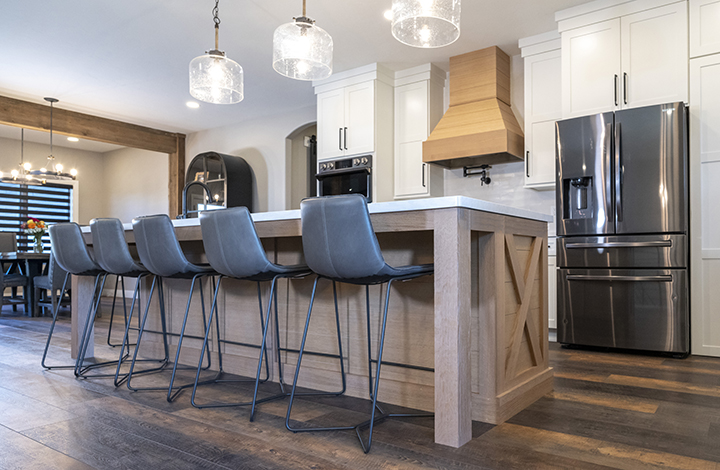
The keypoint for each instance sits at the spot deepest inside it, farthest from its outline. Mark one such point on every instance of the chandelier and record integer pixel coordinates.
(302, 50)
(213, 77)
(426, 23)
(51, 171)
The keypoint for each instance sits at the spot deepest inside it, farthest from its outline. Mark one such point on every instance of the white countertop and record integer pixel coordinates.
(396, 206)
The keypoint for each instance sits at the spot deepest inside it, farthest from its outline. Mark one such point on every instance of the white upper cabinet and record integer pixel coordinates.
(655, 56)
(704, 27)
(591, 69)
(624, 57)
(346, 121)
(543, 106)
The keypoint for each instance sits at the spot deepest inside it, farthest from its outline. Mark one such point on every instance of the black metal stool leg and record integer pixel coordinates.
(52, 328)
(89, 322)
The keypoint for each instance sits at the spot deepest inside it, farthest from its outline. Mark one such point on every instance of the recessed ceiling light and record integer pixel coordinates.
(73, 139)
(192, 104)
(388, 15)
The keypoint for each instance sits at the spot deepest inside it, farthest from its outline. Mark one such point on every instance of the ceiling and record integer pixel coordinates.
(128, 60)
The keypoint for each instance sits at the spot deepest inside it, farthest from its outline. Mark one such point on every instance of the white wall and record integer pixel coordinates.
(261, 142)
(135, 183)
(508, 178)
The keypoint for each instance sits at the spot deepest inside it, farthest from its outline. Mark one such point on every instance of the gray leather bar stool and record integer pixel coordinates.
(340, 245)
(112, 254)
(234, 250)
(161, 255)
(71, 254)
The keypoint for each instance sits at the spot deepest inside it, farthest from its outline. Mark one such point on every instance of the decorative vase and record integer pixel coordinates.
(38, 245)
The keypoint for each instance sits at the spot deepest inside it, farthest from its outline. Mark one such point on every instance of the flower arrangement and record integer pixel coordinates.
(37, 229)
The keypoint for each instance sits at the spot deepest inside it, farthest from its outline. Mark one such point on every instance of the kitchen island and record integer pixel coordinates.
(469, 343)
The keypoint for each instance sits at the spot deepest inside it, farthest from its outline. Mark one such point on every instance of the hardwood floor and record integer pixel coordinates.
(607, 411)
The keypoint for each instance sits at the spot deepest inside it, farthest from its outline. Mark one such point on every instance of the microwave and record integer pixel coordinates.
(346, 176)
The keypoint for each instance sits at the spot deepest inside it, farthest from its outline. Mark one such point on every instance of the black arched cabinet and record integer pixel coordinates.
(229, 179)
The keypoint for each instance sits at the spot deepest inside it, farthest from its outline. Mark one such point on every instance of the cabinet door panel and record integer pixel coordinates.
(654, 55)
(410, 171)
(540, 137)
(359, 119)
(542, 87)
(590, 62)
(331, 118)
(704, 31)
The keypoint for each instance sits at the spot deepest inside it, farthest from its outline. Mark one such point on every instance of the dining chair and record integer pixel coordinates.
(8, 244)
(48, 291)
(340, 245)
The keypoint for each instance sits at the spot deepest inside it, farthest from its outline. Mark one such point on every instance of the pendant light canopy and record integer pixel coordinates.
(426, 23)
(302, 50)
(213, 77)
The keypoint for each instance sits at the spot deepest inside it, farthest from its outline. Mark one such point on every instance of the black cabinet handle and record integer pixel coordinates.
(616, 90)
(346, 138)
(423, 175)
(625, 87)
(527, 163)
(340, 138)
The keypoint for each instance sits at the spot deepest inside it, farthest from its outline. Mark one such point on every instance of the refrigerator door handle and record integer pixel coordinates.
(652, 244)
(590, 277)
(618, 172)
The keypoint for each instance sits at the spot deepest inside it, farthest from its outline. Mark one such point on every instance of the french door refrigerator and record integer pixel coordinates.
(622, 226)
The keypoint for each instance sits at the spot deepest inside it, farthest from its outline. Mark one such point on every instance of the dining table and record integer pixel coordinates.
(31, 264)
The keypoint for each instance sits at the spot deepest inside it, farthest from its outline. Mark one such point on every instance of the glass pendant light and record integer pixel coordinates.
(426, 23)
(213, 77)
(302, 50)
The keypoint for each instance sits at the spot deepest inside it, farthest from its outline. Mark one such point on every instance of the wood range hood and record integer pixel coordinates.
(479, 127)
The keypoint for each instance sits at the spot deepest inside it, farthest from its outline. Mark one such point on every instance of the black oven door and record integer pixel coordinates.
(346, 181)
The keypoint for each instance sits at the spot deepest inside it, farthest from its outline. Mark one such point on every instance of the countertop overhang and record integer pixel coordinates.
(446, 202)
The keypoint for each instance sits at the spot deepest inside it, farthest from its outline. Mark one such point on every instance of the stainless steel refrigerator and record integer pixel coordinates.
(622, 226)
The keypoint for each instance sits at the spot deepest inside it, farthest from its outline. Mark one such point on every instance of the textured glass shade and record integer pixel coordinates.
(426, 23)
(302, 51)
(216, 79)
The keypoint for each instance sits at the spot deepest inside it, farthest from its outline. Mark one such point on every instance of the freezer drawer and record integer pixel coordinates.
(642, 251)
(620, 308)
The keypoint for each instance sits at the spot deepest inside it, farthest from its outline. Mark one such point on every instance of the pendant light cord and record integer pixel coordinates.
(304, 7)
(216, 20)
(51, 123)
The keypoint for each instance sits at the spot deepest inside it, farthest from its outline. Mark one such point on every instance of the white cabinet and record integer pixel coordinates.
(355, 117)
(552, 284)
(630, 60)
(418, 108)
(346, 121)
(704, 27)
(543, 106)
(705, 210)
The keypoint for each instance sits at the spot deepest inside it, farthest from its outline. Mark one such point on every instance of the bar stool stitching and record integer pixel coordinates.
(69, 250)
(160, 253)
(340, 245)
(234, 249)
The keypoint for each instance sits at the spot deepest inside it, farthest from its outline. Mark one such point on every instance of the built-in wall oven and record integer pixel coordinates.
(346, 176)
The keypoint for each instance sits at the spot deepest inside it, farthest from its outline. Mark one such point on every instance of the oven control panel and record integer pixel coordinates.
(361, 162)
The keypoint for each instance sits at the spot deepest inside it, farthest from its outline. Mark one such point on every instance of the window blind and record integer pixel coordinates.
(49, 202)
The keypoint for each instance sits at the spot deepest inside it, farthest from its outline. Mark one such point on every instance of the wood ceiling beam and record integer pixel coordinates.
(18, 113)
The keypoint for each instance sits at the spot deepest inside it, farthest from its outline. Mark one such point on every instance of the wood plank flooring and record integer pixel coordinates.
(608, 410)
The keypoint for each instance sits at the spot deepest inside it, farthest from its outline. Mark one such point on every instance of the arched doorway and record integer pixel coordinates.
(301, 165)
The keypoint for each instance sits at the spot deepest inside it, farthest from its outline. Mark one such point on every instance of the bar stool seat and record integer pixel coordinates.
(234, 250)
(161, 255)
(340, 245)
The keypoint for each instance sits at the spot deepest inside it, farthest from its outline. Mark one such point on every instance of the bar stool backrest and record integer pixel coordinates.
(8, 242)
(56, 274)
(338, 238)
(110, 249)
(158, 246)
(231, 243)
(69, 249)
